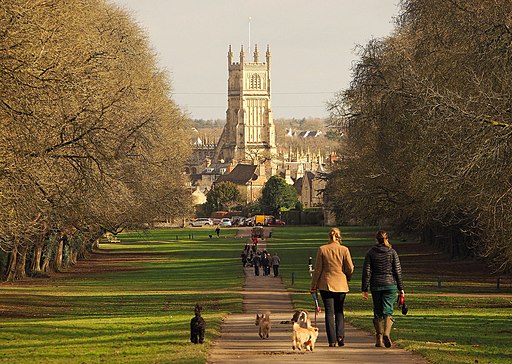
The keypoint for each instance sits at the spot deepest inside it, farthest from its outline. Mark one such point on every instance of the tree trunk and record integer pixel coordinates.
(36, 262)
(11, 269)
(82, 251)
(20, 271)
(46, 261)
(57, 260)
(73, 254)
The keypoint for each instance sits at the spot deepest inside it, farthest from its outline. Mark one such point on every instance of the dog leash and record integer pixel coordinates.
(317, 305)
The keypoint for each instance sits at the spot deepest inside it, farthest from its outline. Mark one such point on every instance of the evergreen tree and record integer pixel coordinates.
(277, 194)
(224, 196)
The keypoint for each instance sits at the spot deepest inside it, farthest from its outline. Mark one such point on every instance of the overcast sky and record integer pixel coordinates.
(312, 43)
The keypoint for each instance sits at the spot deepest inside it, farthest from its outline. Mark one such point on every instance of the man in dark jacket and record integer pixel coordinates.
(256, 262)
(382, 274)
(275, 261)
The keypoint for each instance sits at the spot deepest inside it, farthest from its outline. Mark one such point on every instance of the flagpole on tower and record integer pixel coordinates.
(249, 50)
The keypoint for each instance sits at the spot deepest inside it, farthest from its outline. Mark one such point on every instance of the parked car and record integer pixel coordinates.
(278, 222)
(215, 221)
(202, 221)
(237, 221)
(225, 222)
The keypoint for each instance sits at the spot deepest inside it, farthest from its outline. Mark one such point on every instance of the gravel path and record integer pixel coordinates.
(239, 341)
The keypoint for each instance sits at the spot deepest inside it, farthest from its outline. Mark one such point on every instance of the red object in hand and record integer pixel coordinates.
(401, 299)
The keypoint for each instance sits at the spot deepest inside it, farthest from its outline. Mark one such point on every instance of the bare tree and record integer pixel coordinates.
(93, 140)
(427, 120)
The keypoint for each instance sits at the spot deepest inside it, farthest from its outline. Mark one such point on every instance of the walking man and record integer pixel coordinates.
(256, 262)
(275, 261)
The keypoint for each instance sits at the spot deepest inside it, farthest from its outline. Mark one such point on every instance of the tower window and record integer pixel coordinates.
(255, 81)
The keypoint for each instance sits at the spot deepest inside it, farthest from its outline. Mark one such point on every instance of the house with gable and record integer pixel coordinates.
(249, 179)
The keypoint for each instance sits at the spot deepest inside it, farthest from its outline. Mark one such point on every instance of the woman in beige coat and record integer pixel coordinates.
(333, 269)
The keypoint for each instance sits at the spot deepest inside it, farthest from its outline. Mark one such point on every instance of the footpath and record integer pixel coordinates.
(239, 341)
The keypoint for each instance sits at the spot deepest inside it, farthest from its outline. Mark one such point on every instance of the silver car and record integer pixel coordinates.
(202, 221)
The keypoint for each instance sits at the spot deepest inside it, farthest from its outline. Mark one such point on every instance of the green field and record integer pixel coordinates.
(133, 301)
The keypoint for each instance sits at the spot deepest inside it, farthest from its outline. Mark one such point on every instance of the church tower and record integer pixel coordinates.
(249, 133)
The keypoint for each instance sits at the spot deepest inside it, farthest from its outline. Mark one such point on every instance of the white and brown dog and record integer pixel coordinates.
(304, 337)
(300, 317)
(264, 323)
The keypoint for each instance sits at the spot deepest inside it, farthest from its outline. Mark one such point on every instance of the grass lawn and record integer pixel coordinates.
(465, 321)
(132, 302)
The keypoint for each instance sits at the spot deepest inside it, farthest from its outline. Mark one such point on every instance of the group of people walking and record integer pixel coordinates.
(260, 259)
(381, 275)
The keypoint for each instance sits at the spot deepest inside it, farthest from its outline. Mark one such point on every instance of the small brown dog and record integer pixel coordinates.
(264, 323)
(304, 337)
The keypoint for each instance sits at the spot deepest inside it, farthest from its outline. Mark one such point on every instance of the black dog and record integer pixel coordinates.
(197, 326)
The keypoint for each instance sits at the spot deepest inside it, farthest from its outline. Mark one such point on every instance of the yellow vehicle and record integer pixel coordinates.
(263, 220)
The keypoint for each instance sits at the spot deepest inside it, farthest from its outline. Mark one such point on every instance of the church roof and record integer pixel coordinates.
(298, 185)
(241, 174)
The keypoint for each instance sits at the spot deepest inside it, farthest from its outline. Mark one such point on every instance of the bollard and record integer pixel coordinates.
(293, 278)
(498, 283)
(439, 284)
(189, 236)
(176, 237)
(192, 236)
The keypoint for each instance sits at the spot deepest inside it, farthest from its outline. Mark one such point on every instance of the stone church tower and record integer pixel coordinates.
(249, 134)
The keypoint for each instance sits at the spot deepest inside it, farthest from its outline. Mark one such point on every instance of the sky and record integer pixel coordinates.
(313, 45)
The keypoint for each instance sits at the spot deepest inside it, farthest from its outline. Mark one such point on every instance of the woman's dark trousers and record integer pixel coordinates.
(334, 317)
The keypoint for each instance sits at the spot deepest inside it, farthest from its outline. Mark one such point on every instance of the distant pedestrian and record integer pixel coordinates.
(217, 231)
(244, 258)
(265, 263)
(254, 244)
(275, 262)
(256, 262)
(382, 274)
(250, 257)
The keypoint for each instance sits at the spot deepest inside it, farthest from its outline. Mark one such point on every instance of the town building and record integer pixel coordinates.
(246, 152)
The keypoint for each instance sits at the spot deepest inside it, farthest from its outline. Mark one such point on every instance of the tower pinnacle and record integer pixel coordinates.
(242, 55)
(230, 55)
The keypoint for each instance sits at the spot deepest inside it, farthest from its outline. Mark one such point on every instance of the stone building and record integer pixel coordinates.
(249, 133)
(246, 152)
(249, 179)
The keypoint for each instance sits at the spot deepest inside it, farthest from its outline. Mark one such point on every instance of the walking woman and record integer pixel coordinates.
(382, 274)
(333, 269)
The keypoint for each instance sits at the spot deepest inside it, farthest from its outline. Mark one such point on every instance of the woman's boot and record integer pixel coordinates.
(388, 323)
(377, 323)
